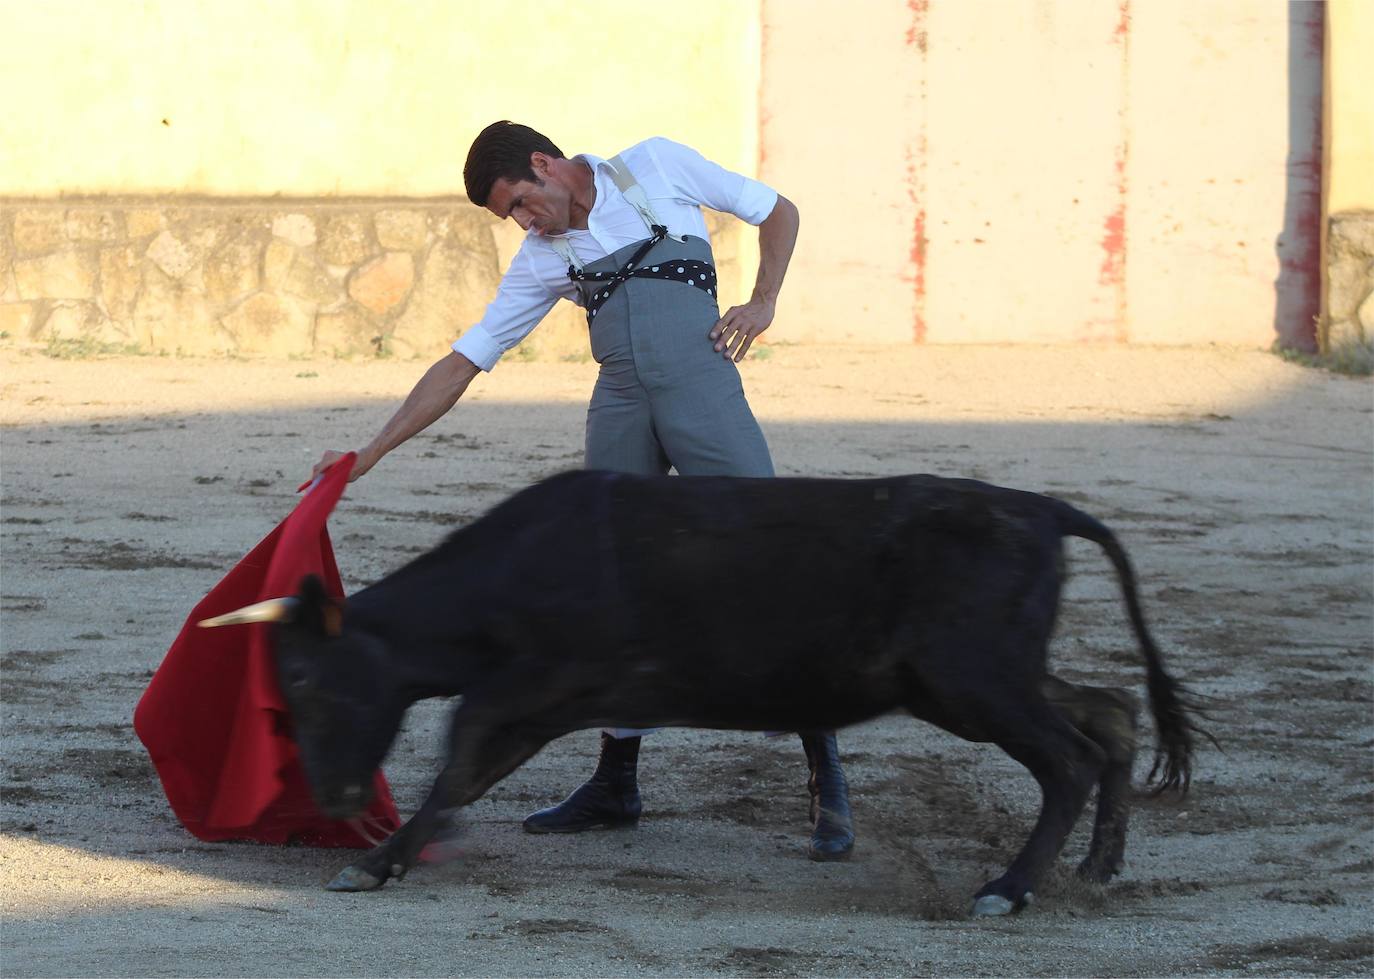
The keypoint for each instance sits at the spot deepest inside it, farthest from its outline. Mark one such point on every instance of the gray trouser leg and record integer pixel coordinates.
(706, 426)
(700, 414)
(620, 427)
(620, 437)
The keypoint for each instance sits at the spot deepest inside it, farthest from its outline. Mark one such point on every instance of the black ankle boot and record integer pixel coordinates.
(607, 800)
(832, 826)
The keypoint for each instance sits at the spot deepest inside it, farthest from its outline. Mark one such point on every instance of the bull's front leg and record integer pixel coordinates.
(401, 850)
(479, 757)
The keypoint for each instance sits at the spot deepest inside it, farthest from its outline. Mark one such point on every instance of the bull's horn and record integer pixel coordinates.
(272, 610)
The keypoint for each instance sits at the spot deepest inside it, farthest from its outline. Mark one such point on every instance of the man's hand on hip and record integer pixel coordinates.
(740, 326)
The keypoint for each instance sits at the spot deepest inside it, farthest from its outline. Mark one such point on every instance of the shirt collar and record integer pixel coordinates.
(596, 162)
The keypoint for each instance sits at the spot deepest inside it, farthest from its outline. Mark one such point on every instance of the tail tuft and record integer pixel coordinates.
(1176, 711)
(1175, 708)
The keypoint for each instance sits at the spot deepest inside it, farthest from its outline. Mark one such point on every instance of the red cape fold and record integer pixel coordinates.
(213, 719)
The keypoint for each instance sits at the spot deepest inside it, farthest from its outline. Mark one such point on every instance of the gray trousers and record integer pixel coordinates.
(664, 398)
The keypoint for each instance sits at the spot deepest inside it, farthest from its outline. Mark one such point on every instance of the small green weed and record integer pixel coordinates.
(1354, 357)
(86, 347)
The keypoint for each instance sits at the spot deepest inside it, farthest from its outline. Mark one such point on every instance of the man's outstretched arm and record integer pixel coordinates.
(741, 325)
(431, 398)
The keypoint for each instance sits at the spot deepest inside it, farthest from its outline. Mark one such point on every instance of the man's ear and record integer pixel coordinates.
(539, 163)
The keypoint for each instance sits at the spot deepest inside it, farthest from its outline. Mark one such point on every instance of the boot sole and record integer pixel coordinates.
(581, 827)
(827, 856)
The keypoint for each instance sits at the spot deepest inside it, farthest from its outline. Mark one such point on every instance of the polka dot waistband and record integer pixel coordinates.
(701, 275)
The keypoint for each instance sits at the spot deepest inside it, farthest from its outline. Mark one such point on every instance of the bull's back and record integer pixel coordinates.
(833, 585)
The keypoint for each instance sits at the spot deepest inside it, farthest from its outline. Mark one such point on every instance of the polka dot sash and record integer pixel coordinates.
(701, 275)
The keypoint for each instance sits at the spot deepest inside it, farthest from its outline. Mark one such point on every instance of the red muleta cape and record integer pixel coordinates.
(213, 720)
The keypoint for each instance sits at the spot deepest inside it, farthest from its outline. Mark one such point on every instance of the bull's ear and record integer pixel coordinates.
(318, 610)
(333, 619)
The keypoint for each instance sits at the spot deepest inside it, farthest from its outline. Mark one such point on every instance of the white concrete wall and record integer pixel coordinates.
(1024, 130)
(1032, 170)
(839, 131)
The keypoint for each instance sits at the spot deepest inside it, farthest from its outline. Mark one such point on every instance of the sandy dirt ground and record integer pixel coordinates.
(1243, 487)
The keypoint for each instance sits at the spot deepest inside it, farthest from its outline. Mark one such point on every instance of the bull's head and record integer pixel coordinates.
(343, 712)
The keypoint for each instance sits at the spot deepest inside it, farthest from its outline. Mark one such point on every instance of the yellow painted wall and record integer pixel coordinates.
(354, 97)
(1350, 72)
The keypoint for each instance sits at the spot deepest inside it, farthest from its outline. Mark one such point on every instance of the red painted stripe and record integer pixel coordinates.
(917, 38)
(1112, 271)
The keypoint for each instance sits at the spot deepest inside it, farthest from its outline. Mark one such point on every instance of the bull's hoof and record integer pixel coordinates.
(354, 879)
(996, 906)
(1096, 872)
(992, 906)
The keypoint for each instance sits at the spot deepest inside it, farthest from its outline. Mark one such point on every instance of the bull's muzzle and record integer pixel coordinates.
(272, 610)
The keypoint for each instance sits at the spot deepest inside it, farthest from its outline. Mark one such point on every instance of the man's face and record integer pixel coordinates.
(543, 205)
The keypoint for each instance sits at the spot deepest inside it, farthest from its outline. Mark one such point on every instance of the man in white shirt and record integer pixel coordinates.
(626, 240)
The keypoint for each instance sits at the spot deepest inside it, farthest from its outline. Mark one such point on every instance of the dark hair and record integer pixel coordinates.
(502, 152)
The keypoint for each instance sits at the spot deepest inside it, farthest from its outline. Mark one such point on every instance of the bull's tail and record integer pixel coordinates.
(1173, 706)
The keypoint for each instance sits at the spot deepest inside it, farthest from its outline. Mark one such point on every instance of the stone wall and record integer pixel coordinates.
(397, 278)
(1350, 281)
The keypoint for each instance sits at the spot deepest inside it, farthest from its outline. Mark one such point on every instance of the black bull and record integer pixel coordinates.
(596, 599)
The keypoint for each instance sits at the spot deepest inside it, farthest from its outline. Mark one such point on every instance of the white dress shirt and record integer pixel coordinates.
(678, 181)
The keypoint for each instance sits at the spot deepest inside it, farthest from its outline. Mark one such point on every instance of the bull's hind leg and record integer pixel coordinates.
(1107, 716)
(1066, 764)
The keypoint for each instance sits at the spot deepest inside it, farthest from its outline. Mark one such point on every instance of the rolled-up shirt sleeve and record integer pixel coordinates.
(701, 181)
(520, 303)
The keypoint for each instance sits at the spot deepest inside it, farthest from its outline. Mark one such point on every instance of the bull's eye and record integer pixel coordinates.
(296, 679)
